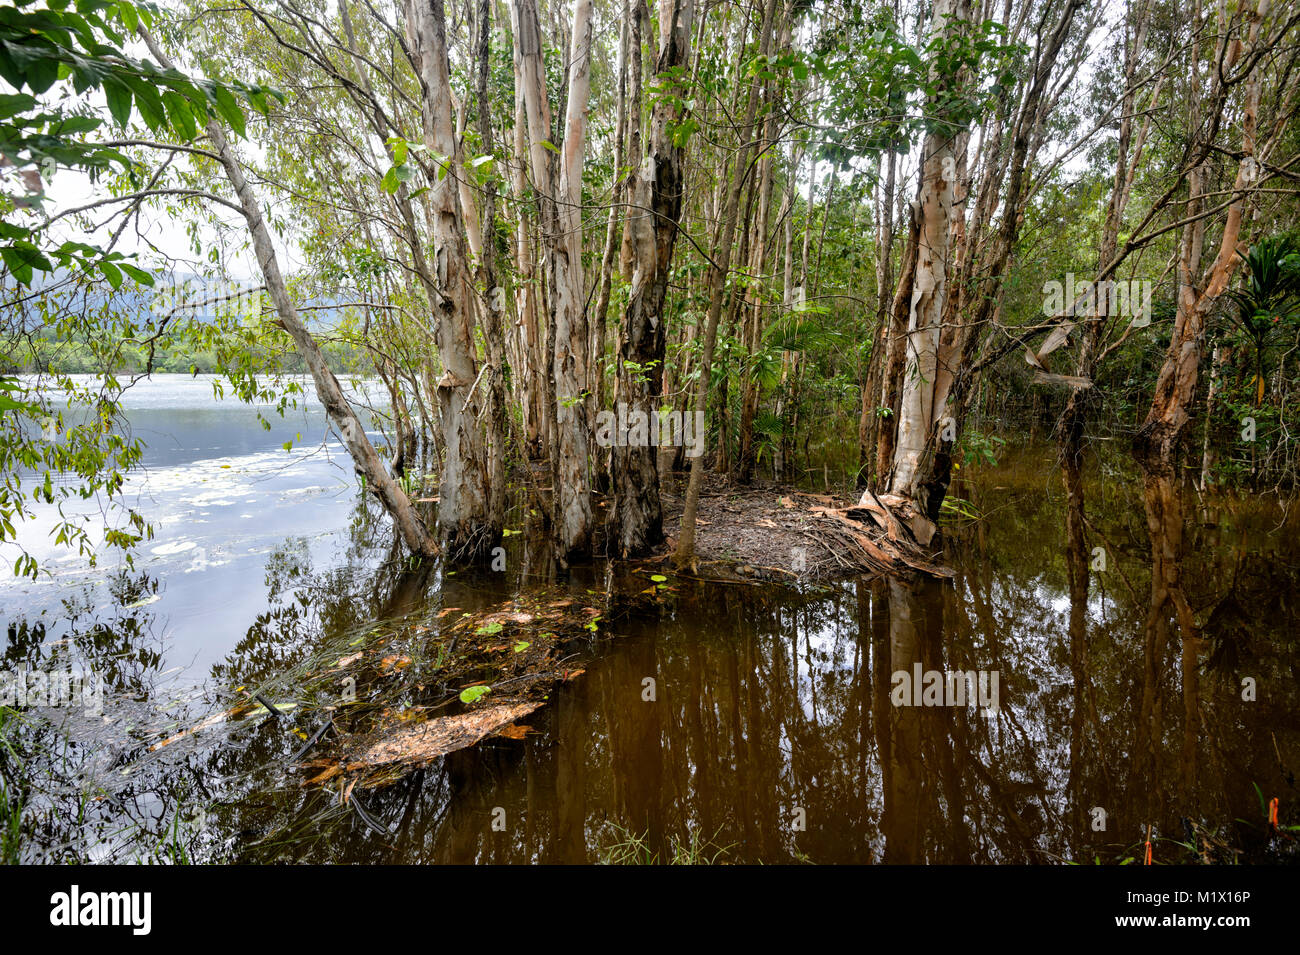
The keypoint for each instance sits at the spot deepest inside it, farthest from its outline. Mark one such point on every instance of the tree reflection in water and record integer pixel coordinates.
(772, 732)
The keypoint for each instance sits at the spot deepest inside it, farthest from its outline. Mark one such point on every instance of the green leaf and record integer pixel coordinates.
(41, 73)
(139, 275)
(150, 105)
(112, 273)
(76, 125)
(23, 259)
(180, 115)
(11, 104)
(126, 12)
(228, 108)
(9, 404)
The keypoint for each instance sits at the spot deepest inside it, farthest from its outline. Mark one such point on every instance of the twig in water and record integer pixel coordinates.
(269, 705)
(366, 818)
(312, 741)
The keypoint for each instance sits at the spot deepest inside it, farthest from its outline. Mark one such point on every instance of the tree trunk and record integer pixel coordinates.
(724, 239)
(493, 296)
(934, 205)
(463, 509)
(1157, 441)
(869, 420)
(528, 294)
(574, 493)
(632, 20)
(1221, 355)
(655, 208)
(617, 200)
(752, 327)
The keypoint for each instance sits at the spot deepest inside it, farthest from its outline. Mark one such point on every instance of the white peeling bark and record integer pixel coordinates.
(463, 510)
(925, 320)
(573, 510)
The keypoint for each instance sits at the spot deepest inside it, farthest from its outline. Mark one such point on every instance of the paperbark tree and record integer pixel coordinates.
(719, 266)
(1157, 442)
(560, 216)
(1073, 420)
(919, 406)
(573, 523)
(753, 304)
(492, 299)
(529, 363)
(464, 518)
(655, 205)
(869, 419)
(617, 204)
(966, 324)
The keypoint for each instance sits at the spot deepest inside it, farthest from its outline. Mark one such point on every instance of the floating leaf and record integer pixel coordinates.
(261, 710)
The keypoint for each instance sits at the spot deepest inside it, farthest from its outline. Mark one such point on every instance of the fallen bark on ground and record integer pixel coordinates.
(769, 532)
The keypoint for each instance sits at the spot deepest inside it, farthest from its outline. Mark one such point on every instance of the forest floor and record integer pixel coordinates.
(774, 533)
(763, 532)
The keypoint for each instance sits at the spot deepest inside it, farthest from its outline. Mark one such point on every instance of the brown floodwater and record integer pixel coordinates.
(732, 722)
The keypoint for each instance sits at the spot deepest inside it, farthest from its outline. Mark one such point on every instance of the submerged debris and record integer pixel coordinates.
(518, 648)
(410, 690)
(415, 745)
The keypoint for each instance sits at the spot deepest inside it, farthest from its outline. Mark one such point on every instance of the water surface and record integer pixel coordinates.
(772, 734)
